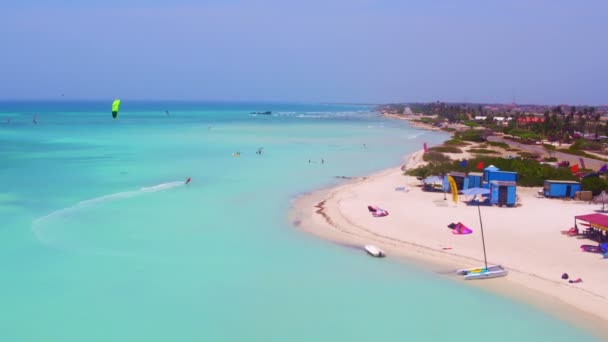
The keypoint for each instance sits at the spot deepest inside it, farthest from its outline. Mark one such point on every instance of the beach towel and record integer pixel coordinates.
(377, 211)
(380, 213)
(461, 229)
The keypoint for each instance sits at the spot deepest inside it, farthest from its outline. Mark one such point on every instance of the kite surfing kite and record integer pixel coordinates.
(115, 108)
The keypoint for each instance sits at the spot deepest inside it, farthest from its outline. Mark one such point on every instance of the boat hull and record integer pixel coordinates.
(374, 251)
(494, 271)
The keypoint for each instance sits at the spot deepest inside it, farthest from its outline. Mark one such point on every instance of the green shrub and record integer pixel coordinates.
(588, 145)
(510, 149)
(550, 159)
(594, 184)
(524, 134)
(471, 123)
(528, 155)
(446, 149)
(530, 172)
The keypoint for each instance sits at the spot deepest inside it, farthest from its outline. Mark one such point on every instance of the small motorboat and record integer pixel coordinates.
(493, 271)
(374, 251)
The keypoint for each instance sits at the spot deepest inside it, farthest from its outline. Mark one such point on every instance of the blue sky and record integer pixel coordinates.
(534, 51)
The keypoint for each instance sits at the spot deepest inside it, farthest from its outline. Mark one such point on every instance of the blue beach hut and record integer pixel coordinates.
(503, 193)
(492, 173)
(487, 170)
(461, 179)
(475, 179)
(561, 188)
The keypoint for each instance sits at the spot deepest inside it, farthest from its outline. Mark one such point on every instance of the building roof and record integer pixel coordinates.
(479, 174)
(457, 174)
(503, 183)
(597, 220)
(562, 182)
(500, 171)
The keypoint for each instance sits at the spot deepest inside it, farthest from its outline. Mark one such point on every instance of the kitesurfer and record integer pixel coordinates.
(188, 180)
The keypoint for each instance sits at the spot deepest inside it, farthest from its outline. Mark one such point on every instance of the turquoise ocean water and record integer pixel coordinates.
(101, 240)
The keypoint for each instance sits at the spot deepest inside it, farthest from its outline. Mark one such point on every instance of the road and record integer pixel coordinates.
(590, 163)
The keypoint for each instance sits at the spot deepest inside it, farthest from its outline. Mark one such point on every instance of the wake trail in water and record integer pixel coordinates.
(414, 136)
(38, 223)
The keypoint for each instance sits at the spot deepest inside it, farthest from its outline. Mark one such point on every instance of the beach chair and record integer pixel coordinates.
(570, 232)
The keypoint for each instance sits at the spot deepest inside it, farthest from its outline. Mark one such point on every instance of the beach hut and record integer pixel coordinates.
(461, 179)
(492, 173)
(487, 170)
(503, 193)
(474, 179)
(561, 188)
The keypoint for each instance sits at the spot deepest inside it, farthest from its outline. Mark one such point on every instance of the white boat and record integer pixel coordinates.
(374, 251)
(485, 272)
(493, 271)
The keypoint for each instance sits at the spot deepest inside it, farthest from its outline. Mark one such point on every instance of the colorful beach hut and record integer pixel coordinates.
(561, 188)
(475, 179)
(503, 193)
(461, 179)
(492, 173)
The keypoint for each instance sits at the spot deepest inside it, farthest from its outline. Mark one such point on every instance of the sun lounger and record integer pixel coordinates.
(592, 249)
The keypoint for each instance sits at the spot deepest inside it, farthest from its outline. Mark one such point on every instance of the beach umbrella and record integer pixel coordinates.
(601, 198)
(475, 191)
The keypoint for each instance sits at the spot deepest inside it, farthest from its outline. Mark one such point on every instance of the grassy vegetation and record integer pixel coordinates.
(435, 157)
(446, 149)
(456, 142)
(498, 144)
(482, 151)
(471, 135)
(511, 149)
(524, 134)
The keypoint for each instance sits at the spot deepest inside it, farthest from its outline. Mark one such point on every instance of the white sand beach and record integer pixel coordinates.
(525, 239)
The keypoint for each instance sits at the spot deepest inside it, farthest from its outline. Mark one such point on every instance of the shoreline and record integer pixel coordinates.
(334, 214)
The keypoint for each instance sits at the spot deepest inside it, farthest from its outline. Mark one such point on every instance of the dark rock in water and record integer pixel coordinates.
(262, 113)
